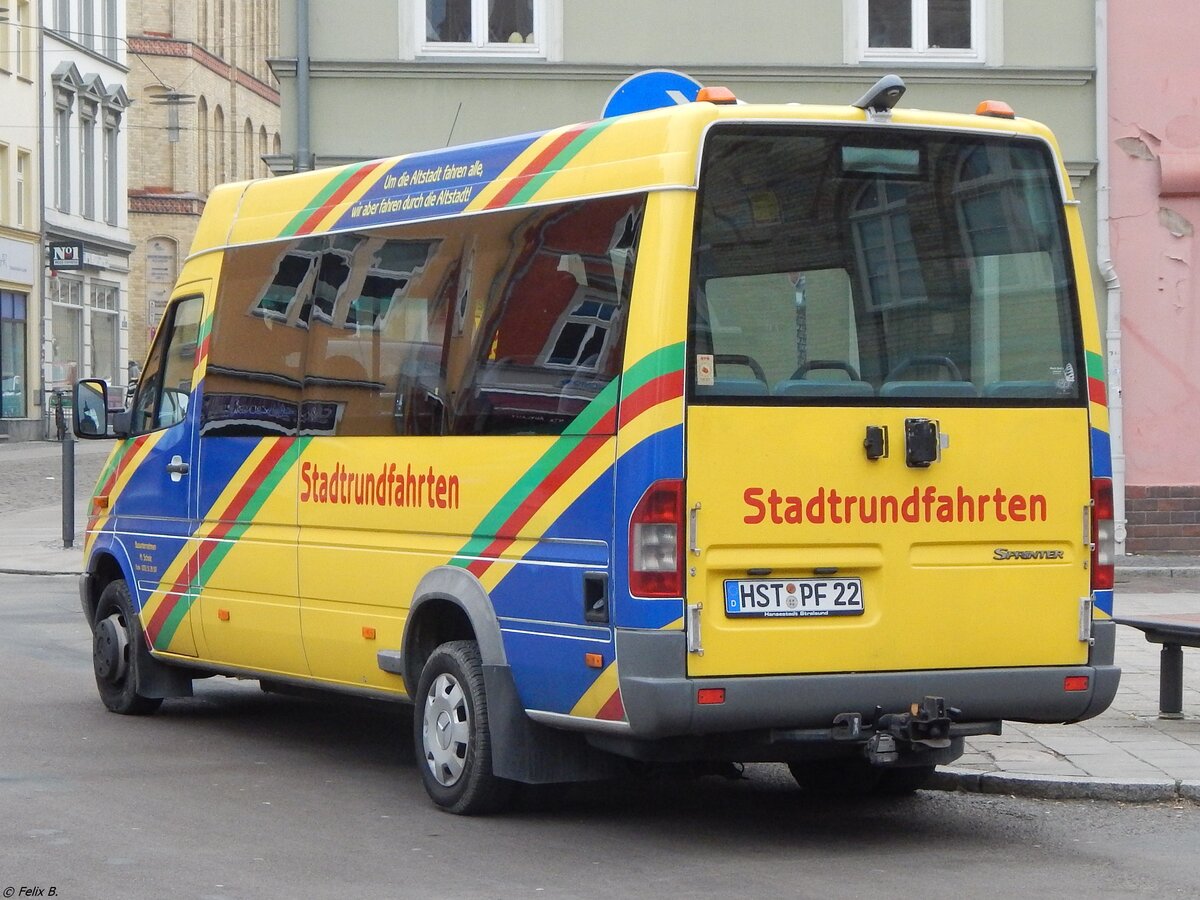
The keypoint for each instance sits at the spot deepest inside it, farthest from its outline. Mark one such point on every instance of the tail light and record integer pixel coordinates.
(1104, 534)
(656, 541)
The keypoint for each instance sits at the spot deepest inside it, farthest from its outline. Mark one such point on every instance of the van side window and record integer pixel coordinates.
(372, 325)
(166, 385)
(544, 325)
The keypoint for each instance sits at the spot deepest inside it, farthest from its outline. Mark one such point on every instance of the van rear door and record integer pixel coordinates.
(887, 435)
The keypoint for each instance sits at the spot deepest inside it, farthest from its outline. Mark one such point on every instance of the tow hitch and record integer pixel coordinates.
(926, 726)
(926, 723)
(930, 731)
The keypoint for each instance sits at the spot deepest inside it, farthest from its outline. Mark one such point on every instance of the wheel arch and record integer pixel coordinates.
(448, 604)
(106, 564)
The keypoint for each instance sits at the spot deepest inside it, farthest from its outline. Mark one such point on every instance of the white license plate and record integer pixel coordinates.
(792, 598)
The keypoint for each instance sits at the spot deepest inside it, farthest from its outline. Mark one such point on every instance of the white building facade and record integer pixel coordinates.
(20, 221)
(85, 309)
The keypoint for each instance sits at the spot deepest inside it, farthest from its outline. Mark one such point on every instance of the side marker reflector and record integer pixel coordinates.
(710, 696)
(1075, 683)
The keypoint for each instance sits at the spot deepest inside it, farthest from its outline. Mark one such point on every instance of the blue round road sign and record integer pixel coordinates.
(652, 89)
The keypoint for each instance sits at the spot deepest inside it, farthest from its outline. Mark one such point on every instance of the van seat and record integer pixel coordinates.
(928, 389)
(1019, 389)
(734, 387)
(801, 387)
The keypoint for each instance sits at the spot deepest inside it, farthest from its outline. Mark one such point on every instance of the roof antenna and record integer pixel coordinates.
(883, 95)
(453, 124)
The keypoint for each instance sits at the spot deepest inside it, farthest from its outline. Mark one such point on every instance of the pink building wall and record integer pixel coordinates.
(1154, 146)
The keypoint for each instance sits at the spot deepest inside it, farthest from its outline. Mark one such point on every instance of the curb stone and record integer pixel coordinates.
(1065, 787)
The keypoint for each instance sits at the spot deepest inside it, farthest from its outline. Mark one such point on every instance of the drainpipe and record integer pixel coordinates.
(303, 154)
(1112, 285)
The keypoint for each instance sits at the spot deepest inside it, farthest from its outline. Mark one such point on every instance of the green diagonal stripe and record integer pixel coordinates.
(555, 165)
(645, 370)
(318, 201)
(1095, 365)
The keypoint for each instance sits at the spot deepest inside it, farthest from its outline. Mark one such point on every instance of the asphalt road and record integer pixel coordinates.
(239, 794)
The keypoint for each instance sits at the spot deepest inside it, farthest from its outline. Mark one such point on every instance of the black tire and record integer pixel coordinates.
(836, 777)
(116, 637)
(451, 735)
(902, 781)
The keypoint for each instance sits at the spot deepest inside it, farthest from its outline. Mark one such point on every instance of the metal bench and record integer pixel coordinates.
(1174, 633)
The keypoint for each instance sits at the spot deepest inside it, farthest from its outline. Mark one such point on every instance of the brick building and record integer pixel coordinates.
(206, 112)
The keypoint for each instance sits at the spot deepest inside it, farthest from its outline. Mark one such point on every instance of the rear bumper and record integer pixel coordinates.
(660, 701)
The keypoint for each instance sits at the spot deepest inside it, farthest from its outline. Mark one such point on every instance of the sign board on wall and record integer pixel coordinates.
(66, 256)
(16, 261)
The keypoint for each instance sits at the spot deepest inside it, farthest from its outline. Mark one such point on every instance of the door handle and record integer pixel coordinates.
(178, 468)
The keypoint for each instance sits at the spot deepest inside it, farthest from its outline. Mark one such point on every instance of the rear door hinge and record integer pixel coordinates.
(1085, 620)
(692, 628)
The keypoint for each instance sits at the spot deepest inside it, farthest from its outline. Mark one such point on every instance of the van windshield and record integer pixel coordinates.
(854, 265)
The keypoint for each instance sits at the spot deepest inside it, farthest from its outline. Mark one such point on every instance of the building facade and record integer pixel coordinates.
(1153, 145)
(206, 112)
(406, 75)
(85, 310)
(20, 221)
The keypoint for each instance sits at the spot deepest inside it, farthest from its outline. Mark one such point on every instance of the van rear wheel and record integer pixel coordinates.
(907, 780)
(116, 637)
(836, 777)
(450, 730)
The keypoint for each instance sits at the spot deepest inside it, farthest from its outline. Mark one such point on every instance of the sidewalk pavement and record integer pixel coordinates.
(1127, 753)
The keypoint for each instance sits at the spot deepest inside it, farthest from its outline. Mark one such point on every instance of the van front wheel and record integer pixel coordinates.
(116, 637)
(450, 730)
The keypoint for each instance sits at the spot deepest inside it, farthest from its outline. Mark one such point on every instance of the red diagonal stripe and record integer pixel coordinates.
(658, 390)
(337, 197)
(1097, 391)
(613, 709)
(535, 166)
(122, 464)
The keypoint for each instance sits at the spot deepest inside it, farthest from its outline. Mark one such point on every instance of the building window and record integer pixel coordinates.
(485, 28)
(219, 29)
(112, 173)
(87, 160)
(5, 201)
(221, 175)
(105, 321)
(248, 150)
(66, 296)
(62, 16)
(87, 24)
(12, 354)
(111, 29)
(24, 40)
(202, 145)
(6, 59)
(24, 189)
(62, 151)
(936, 30)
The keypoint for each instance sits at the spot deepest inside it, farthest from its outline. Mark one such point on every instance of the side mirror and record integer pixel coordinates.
(90, 411)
